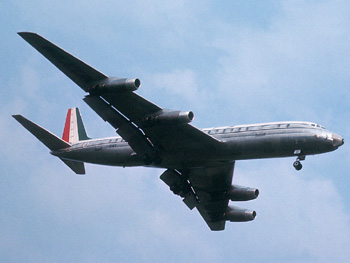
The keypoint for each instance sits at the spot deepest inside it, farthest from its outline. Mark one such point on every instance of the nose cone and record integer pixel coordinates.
(337, 140)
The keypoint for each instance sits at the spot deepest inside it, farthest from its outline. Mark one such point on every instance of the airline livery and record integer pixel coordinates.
(199, 163)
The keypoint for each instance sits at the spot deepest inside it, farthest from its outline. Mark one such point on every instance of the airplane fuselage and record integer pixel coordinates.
(255, 141)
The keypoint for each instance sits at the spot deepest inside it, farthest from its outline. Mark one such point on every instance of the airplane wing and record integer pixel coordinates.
(124, 110)
(210, 185)
(78, 71)
(128, 113)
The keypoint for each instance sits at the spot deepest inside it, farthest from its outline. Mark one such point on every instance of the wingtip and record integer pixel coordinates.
(19, 118)
(26, 35)
(16, 116)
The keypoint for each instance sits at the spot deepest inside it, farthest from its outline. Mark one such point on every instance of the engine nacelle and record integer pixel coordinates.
(169, 118)
(236, 214)
(112, 85)
(241, 193)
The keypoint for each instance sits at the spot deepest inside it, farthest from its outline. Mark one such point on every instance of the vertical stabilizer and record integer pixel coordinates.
(74, 130)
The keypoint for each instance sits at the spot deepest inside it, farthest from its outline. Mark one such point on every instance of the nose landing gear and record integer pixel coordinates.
(297, 164)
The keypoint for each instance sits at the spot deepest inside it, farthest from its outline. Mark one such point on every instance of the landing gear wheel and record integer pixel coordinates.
(297, 165)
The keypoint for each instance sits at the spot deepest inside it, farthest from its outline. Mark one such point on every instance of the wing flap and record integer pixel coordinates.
(204, 188)
(210, 185)
(126, 129)
(131, 105)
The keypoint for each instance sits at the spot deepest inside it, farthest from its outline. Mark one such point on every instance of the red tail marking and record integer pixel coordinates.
(66, 130)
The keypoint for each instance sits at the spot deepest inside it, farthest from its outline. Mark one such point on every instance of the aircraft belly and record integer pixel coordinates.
(257, 147)
(175, 161)
(269, 146)
(106, 155)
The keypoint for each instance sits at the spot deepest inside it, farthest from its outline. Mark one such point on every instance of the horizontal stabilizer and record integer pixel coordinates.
(50, 140)
(77, 167)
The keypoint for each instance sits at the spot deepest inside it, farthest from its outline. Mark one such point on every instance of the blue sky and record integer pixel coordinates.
(230, 63)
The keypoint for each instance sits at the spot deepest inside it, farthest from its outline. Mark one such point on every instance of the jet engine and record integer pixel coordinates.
(169, 118)
(236, 214)
(241, 193)
(113, 85)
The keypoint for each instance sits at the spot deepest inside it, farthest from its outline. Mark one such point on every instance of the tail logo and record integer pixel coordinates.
(74, 130)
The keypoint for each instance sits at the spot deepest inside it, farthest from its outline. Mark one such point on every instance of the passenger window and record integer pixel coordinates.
(254, 128)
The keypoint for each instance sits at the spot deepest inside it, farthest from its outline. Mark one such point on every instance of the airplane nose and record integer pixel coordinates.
(337, 140)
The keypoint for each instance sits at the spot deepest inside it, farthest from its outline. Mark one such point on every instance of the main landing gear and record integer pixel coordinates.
(297, 164)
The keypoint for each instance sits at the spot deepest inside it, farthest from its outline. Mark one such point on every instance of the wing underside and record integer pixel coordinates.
(210, 185)
(205, 189)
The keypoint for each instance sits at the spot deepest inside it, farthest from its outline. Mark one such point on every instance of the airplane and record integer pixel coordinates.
(199, 163)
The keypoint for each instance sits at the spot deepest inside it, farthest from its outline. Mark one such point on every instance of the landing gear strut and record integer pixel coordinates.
(297, 164)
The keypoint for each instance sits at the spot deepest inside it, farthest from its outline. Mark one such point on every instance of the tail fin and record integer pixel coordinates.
(51, 141)
(74, 130)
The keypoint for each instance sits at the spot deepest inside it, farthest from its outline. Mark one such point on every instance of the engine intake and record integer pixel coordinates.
(236, 214)
(241, 193)
(169, 118)
(113, 85)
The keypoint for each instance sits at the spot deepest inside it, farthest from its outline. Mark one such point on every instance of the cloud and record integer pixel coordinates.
(287, 63)
(180, 85)
(293, 66)
(299, 216)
